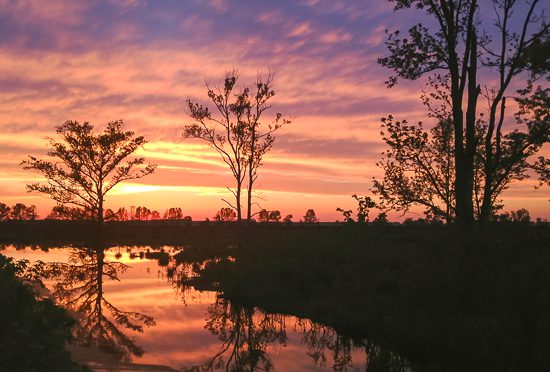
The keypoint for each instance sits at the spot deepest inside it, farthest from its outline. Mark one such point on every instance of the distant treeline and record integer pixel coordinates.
(20, 211)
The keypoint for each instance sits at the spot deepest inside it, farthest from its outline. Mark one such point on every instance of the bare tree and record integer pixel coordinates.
(259, 141)
(87, 166)
(236, 132)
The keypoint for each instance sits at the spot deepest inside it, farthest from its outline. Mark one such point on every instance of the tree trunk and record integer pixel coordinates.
(473, 92)
(249, 199)
(251, 173)
(100, 211)
(238, 201)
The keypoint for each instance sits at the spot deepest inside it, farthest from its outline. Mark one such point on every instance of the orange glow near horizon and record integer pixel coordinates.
(139, 61)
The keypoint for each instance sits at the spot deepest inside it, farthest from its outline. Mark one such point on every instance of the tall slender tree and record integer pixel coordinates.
(236, 133)
(259, 141)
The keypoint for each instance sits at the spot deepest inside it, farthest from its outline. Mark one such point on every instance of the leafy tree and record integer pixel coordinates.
(460, 48)
(62, 212)
(418, 168)
(263, 215)
(188, 220)
(310, 216)
(4, 212)
(155, 215)
(519, 216)
(542, 167)
(288, 219)
(86, 166)
(143, 213)
(275, 216)
(225, 214)
(419, 164)
(109, 215)
(173, 214)
(121, 215)
(347, 213)
(267, 216)
(21, 212)
(364, 205)
(381, 219)
(236, 133)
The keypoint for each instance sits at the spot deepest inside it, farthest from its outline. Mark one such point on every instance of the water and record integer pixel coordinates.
(132, 303)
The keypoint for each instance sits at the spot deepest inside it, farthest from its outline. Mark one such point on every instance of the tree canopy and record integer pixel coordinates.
(85, 165)
(461, 45)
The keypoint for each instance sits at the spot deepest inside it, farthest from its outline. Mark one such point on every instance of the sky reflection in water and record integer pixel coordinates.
(195, 328)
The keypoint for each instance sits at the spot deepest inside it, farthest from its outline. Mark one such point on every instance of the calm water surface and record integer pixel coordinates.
(181, 328)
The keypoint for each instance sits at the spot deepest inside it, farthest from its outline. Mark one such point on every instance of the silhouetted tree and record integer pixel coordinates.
(173, 214)
(155, 215)
(418, 168)
(4, 212)
(381, 219)
(267, 216)
(21, 212)
(259, 141)
(520, 216)
(542, 167)
(263, 215)
(239, 138)
(364, 205)
(225, 214)
(86, 166)
(459, 48)
(288, 219)
(188, 220)
(143, 214)
(275, 216)
(310, 216)
(62, 212)
(109, 215)
(347, 214)
(120, 215)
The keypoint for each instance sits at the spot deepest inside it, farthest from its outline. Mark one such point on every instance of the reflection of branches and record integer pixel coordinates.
(80, 288)
(381, 359)
(318, 338)
(245, 334)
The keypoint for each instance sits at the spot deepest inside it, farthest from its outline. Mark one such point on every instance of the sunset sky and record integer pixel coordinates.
(140, 60)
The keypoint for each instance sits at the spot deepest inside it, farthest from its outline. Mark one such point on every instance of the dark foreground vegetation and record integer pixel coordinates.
(34, 330)
(444, 299)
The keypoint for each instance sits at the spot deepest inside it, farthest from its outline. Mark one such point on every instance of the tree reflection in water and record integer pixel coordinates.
(245, 334)
(319, 339)
(79, 287)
